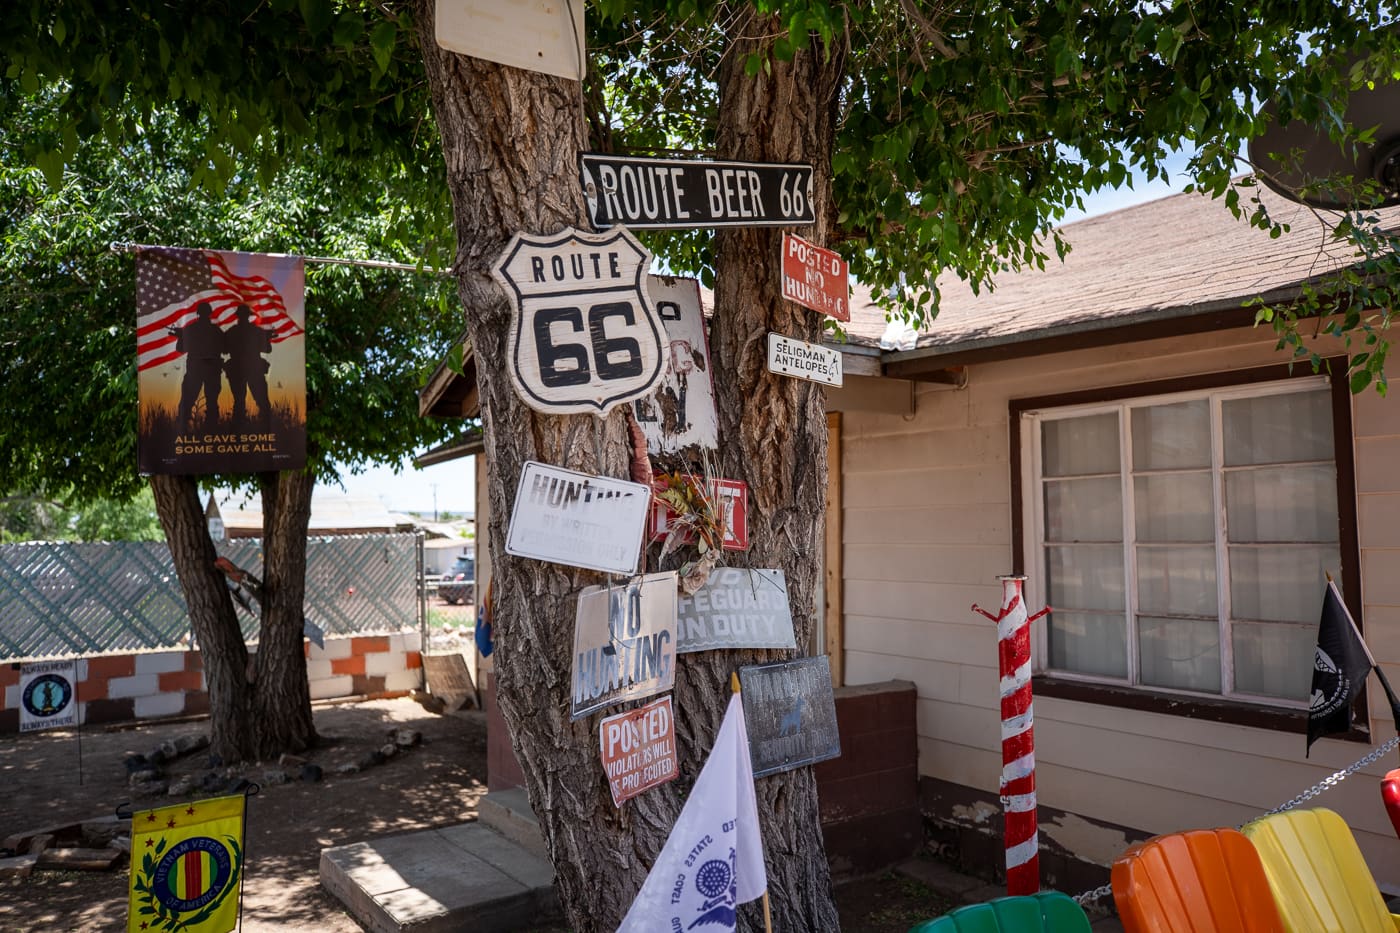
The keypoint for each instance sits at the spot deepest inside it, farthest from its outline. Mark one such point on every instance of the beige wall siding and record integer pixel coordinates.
(928, 528)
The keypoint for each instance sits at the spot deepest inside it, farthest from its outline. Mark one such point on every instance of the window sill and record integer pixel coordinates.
(1230, 711)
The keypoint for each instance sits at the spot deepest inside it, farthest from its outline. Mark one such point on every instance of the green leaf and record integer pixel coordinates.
(381, 41)
(317, 13)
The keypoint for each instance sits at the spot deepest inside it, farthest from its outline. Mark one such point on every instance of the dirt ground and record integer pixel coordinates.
(436, 783)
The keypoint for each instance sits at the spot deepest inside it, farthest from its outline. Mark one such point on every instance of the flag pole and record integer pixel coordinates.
(767, 911)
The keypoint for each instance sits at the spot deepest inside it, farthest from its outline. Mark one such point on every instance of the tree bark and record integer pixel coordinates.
(215, 624)
(258, 707)
(510, 141)
(773, 431)
(282, 704)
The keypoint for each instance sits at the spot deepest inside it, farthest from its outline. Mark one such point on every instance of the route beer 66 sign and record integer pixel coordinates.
(585, 336)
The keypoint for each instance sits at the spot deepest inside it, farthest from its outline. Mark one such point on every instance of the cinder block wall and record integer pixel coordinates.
(869, 796)
(161, 684)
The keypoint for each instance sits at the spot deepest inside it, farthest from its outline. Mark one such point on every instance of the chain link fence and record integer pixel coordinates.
(64, 598)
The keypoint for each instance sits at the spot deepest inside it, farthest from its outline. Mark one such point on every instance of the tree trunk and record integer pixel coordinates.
(215, 624)
(773, 428)
(282, 703)
(258, 707)
(510, 141)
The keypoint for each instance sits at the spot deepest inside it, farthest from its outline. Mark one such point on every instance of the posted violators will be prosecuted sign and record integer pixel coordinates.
(810, 361)
(639, 749)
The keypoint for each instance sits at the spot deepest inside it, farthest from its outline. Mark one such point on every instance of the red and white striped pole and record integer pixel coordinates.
(1017, 737)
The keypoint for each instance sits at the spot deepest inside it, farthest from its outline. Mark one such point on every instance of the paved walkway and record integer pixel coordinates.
(965, 889)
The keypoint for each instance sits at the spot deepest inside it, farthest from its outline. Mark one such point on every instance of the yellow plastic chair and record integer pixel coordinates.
(1318, 875)
(1200, 881)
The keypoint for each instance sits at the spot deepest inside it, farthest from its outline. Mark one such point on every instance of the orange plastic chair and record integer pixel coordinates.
(1318, 875)
(1201, 881)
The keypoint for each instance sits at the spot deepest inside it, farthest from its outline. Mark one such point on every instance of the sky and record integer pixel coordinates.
(448, 487)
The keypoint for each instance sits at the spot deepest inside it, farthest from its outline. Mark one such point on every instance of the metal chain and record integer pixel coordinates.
(1337, 778)
(1089, 898)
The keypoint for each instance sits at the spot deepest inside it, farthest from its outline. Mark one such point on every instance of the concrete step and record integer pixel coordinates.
(508, 812)
(463, 877)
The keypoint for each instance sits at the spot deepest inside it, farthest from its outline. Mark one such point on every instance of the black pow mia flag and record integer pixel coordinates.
(1340, 666)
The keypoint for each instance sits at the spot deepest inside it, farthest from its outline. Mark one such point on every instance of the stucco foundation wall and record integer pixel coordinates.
(161, 684)
(927, 528)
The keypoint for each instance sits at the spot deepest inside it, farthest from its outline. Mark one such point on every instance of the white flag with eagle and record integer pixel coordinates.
(713, 860)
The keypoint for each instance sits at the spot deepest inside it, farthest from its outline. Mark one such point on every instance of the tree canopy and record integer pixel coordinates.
(67, 326)
(964, 130)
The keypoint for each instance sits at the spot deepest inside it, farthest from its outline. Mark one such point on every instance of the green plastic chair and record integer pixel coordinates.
(1046, 912)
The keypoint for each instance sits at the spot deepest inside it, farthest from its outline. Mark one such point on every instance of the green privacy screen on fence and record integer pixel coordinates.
(63, 598)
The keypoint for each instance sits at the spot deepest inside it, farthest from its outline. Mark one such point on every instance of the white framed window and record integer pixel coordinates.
(1182, 538)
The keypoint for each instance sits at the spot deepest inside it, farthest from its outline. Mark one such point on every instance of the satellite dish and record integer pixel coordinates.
(1308, 156)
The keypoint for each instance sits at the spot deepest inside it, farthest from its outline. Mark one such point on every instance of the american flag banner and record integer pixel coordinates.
(221, 361)
(171, 282)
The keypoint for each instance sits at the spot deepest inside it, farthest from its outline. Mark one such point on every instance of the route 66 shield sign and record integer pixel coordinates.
(585, 337)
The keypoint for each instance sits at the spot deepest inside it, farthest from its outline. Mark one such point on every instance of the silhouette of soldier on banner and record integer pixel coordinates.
(245, 343)
(202, 342)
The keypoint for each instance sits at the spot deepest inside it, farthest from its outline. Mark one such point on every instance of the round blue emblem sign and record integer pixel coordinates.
(47, 695)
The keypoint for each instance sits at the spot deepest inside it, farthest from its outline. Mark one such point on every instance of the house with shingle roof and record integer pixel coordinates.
(1116, 429)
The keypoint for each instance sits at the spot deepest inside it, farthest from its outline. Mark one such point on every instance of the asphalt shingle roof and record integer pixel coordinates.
(1174, 257)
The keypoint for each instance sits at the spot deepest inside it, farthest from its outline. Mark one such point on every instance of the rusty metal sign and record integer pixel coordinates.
(736, 608)
(585, 336)
(816, 278)
(731, 497)
(639, 749)
(790, 712)
(624, 642)
(678, 417)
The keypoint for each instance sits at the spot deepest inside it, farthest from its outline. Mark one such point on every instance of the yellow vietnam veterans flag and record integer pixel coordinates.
(186, 866)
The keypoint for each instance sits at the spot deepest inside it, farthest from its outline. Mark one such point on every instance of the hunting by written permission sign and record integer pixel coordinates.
(639, 749)
(667, 194)
(568, 517)
(816, 278)
(624, 642)
(790, 712)
(810, 361)
(585, 336)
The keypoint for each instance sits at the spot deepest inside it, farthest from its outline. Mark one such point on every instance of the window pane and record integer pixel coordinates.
(1282, 504)
(1085, 576)
(1174, 507)
(1080, 446)
(1278, 428)
(1084, 509)
(1169, 437)
(1088, 644)
(1274, 660)
(1279, 583)
(1177, 581)
(1179, 653)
